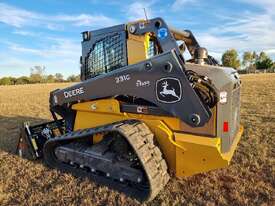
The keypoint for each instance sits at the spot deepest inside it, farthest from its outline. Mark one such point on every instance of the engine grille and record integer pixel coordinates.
(235, 115)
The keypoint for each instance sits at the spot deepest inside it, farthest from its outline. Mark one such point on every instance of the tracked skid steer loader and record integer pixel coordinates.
(142, 112)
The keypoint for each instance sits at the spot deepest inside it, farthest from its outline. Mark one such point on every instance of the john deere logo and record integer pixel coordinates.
(168, 90)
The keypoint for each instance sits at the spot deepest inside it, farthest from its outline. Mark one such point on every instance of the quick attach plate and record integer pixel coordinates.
(33, 138)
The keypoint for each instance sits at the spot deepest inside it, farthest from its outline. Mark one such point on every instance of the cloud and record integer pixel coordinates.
(248, 31)
(24, 33)
(270, 51)
(135, 10)
(57, 54)
(18, 66)
(19, 18)
(87, 20)
(14, 16)
(268, 5)
(178, 4)
(55, 48)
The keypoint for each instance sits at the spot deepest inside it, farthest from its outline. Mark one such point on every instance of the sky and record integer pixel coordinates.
(48, 32)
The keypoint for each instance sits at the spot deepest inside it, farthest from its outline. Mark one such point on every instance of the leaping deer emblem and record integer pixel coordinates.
(166, 91)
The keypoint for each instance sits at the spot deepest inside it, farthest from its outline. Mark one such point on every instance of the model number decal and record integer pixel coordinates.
(122, 78)
(74, 92)
(140, 83)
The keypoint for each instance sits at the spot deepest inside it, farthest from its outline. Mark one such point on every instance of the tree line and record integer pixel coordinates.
(250, 62)
(38, 75)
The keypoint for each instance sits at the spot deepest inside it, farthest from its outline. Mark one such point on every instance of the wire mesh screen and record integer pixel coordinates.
(106, 55)
(151, 49)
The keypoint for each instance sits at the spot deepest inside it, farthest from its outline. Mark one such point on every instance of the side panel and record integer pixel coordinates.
(98, 113)
(201, 154)
(135, 49)
(184, 153)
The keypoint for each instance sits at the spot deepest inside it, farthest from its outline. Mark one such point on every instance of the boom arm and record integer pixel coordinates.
(156, 72)
(188, 38)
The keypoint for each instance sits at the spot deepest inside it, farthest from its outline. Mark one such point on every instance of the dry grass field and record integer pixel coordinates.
(250, 179)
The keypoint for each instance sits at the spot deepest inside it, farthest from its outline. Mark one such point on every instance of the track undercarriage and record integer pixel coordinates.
(126, 159)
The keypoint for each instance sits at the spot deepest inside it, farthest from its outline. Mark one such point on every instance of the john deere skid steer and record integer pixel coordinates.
(141, 112)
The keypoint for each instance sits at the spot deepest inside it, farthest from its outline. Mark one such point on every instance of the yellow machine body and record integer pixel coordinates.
(187, 150)
(186, 154)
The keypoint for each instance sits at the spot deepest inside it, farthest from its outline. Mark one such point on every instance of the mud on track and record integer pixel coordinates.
(250, 179)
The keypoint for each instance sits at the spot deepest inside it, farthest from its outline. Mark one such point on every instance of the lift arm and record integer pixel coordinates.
(159, 80)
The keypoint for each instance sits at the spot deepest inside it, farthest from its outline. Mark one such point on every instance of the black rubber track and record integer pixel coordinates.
(139, 137)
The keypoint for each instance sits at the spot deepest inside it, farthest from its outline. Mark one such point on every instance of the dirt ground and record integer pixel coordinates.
(249, 180)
